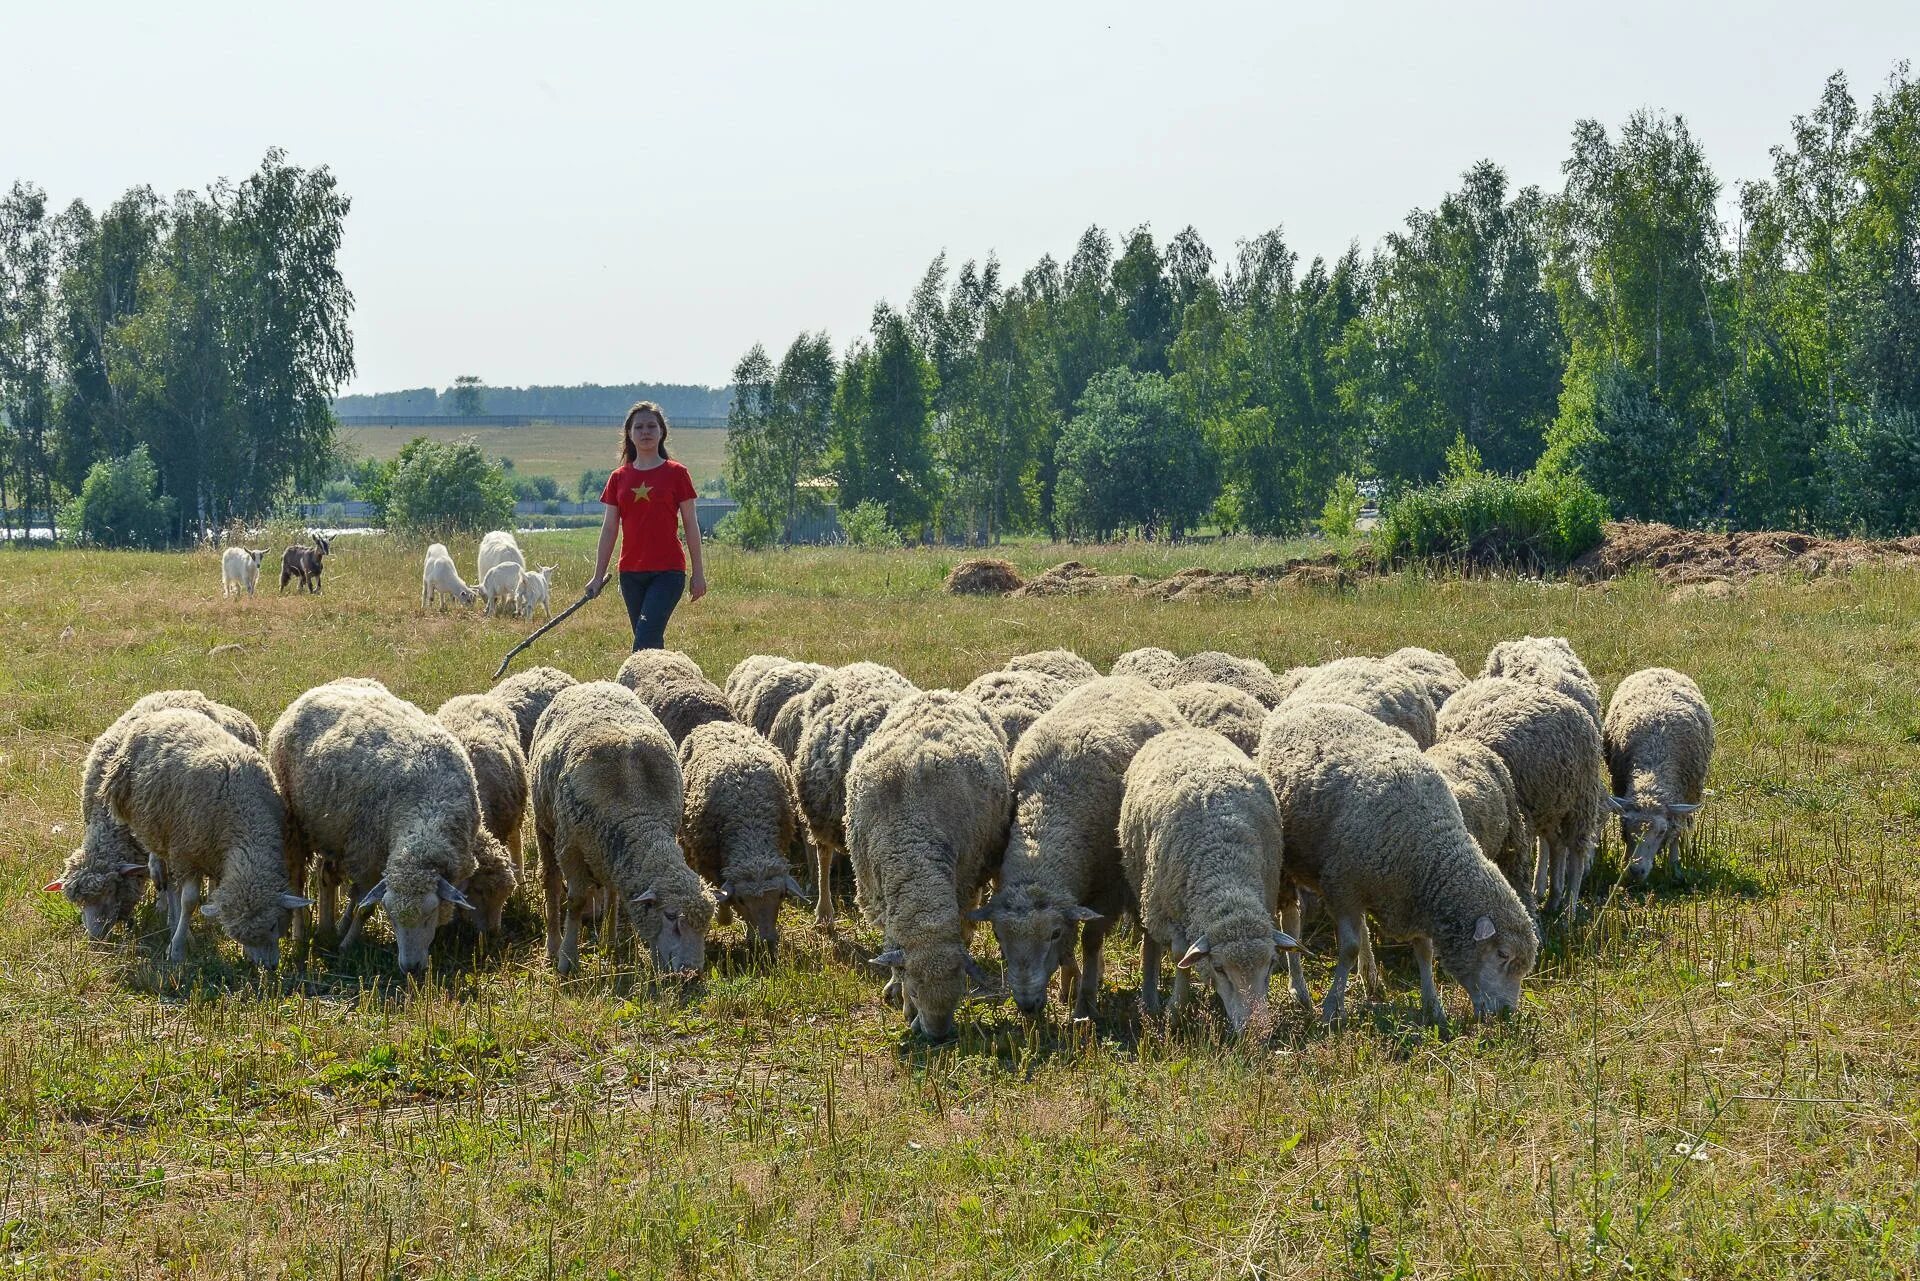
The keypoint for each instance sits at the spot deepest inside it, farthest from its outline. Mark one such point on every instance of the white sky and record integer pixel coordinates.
(621, 192)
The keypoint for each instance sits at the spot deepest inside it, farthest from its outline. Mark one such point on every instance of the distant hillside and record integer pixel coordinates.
(680, 400)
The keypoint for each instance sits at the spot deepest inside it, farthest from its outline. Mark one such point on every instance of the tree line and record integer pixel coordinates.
(1758, 371)
(689, 400)
(197, 340)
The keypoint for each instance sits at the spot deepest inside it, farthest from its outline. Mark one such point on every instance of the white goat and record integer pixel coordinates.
(439, 578)
(533, 590)
(239, 570)
(501, 587)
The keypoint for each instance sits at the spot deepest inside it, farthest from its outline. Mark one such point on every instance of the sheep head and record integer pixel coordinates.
(105, 878)
(1240, 971)
(415, 916)
(1646, 828)
(256, 922)
(675, 932)
(1035, 937)
(759, 903)
(1490, 958)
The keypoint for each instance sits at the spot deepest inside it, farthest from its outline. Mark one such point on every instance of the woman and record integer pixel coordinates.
(644, 497)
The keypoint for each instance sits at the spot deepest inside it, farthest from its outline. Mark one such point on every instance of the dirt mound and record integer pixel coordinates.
(1075, 578)
(984, 576)
(1677, 556)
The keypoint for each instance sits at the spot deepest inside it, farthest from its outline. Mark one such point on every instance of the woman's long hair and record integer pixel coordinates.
(626, 431)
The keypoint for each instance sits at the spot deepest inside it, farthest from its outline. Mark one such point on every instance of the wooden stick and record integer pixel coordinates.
(545, 627)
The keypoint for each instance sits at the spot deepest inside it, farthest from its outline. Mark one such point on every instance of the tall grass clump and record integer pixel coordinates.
(1535, 521)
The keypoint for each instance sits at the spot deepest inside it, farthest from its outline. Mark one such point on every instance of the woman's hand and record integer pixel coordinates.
(593, 587)
(697, 587)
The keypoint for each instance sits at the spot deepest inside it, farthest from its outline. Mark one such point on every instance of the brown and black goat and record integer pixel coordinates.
(304, 563)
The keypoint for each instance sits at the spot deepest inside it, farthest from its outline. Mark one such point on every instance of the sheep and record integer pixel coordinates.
(745, 675)
(740, 819)
(1658, 738)
(1483, 785)
(501, 589)
(780, 687)
(1232, 713)
(787, 725)
(240, 570)
(1390, 693)
(1016, 699)
(305, 563)
(1061, 663)
(607, 803)
(386, 795)
(1249, 674)
(1442, 674)
(1062, 868)
(1548, 661)
(535, 591)
(1200, 844)
(526, 694)
(497, 547)
(684, 705)
(648, 670)
(841, 711)
(204, 805)
(1552, 748)
(928, 802)
(439, 578)
(1370, 825)
(107, 876)
(1151, 664)
(491, 737)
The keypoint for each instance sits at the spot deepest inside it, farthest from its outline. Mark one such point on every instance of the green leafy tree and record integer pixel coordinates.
(883, 420)
(28, 368)
(1129, 460)
(468, 397)
(437, 489)
(1149, 316)
(119, 505)
(103, 264)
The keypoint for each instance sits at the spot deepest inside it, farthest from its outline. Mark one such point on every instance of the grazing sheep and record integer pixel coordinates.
(1658, 738)
(1552, 748)
(526, 694)
(607, 802)
(1442, 674)
(497, 547)
(491, 737)
(439, 578)
(1371, 827)
(1249, 674)
(535, 591)
(501, 589)
(685, 705)
(1200, 840)
(1016, 699)
(1151, 664)
(240, 570)
(844, 708)
(305, 563)
(107, 876)
(1548, 661)
(777, 689)
(787, 726)
(203, 804)
(1063, 664)
(1389, 693)
(1232, 713)
(927, 807)
(1483, 785)
(745, 675)
(1062, 868)
(740, 820)
(385, 795)
(647, 671)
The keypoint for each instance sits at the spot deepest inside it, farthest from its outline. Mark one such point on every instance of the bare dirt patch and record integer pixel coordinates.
(1682, 556)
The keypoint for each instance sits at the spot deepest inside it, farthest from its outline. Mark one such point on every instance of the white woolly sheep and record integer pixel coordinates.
(1200, 842)
(646, 671)
(607, 803)
(1249, 674)
(491, 736)
(1552, 748)
(1490, 805)
(535, 591)
(439, 578)
(745, 675)
(740, 820)
(1391, 694)
(527, 694)
(1016, 699)
(501, 589)
(1151, 664)
(927, 808)
(1232, 713)
(1063, 664)
(497, 547)
(1658, 738)
(240, 570)
(685, 705)
(1372, 828)
(1062, 868)
(203, 804)
(782, 683)
(841, 710)
(1442, 675)
(1548, 661)
(384, 793)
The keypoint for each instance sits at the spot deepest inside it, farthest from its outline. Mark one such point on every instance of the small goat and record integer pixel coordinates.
(304, 563)
(533, 590)
(239, 570)
(501, 587)
(439, 578)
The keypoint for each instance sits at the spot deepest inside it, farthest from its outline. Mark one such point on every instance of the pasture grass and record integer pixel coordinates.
(1714, 1078)
(547, 449)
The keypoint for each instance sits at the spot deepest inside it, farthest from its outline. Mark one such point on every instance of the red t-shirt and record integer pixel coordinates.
(649, 504)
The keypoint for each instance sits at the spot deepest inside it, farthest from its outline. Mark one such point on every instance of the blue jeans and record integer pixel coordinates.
(651, 595)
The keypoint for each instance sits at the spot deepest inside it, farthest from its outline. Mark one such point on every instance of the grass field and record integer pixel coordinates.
(1717, 1079)
(560, 452)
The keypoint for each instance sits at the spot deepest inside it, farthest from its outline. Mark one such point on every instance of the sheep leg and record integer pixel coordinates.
(568, 958)
(1577, 864)
(185, 901)
(1349, 928)
(823, 885)
(1092, 935)
(1370, 968)
(1430, 1003)
(1150, 971)
(550, 883)
(1296, 968)
(355, 919)
(1542, 871)
(296, 855)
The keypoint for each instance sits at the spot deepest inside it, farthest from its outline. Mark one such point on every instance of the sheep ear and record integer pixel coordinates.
(724, 894)
(132, 869)
(793, 888)
(374, 895)
(293, 902)
(645, 897)
(1197, 952)
(1087, 914)
(54, 887)
(450, 893)
(1618, 805)
(1285, 941)
(1683, 809)
(208, 909)
(1483, 929)
(888, 959)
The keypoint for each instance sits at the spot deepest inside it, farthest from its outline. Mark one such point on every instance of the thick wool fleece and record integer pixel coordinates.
(1151, 664)
(745, 675)
(1232, 713)
(1442, 674)
(740, 815)
(1483, 785)
(1548, 661)
(647, 671)
(1550, 746)
(685, 705)
(1063, 664)
(527, 694)
(1249, 674)
(490, 734)
(1388, 692)
(842, 710)
(1016, 699)
(778, 687)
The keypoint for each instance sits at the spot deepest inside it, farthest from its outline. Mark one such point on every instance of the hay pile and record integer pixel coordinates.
(984, 576)
(1678, 556)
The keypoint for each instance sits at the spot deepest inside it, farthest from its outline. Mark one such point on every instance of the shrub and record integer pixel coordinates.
(1536, 521)
(865, 525)
(746, 527)
(1872, 462)
(1130, 458)
(590, 485)
(446, 489)
(1340, 518)
(119, 504)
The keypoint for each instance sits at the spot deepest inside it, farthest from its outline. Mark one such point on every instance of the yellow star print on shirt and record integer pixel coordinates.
(642, 491)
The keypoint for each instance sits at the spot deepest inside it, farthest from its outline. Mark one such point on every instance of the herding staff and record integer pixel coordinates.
(545, 627)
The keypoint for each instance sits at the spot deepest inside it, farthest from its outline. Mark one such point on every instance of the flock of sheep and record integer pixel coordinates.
(1206, 798)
